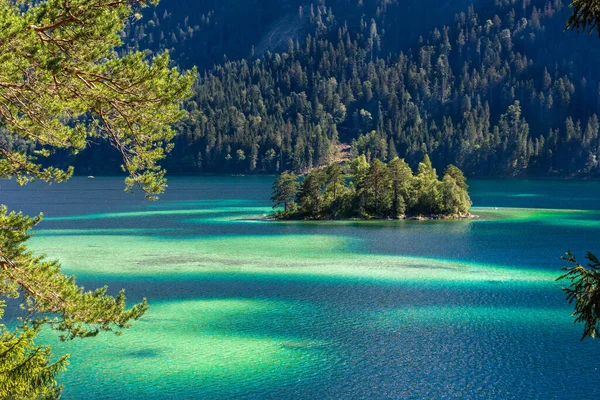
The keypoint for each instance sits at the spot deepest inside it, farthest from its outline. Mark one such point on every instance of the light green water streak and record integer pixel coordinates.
(204, 343)
(548, 217)
(267, 255)
(159, 213)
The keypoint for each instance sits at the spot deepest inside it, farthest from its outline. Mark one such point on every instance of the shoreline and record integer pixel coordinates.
(566, 178)
(273, 217)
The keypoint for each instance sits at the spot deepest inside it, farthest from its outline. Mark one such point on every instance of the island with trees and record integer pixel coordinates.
(375, 190)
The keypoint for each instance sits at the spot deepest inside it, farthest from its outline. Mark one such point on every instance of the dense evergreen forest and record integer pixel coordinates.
(373, 191)
(496, 88)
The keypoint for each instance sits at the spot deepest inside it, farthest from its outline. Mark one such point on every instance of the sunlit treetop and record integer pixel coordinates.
(63, 84)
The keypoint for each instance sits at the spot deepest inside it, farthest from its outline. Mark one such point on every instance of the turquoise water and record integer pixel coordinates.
(243, 308)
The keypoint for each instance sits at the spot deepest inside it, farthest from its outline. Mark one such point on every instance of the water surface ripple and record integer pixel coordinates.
(243, 308)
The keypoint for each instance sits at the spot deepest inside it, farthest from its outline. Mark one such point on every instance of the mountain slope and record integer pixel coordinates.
(500, 90)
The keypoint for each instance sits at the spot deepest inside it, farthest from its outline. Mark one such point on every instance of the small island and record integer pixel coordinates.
(376, 190)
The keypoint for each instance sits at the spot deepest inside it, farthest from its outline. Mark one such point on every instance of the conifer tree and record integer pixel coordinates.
(401, 176)
(61, 84)
(458, 176)
(360, 170)
(310, 195)
(378, 191)
(455, 200)
(455, 193)
(285, 189)
(426, 186)
(335, 189)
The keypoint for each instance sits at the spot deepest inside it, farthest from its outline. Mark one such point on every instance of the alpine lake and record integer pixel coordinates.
(246, 308)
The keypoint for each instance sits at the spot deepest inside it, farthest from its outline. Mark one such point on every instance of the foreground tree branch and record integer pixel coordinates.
(584, 291)
(586, 14)
(62, 84)
(59, 69)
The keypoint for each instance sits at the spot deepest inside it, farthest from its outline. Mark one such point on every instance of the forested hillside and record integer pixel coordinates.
(496, 88)
(207, 32)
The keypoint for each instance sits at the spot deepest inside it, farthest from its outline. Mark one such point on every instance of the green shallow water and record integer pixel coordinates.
(245, 308)
(200, 343)
(159, 213)
(290, 255)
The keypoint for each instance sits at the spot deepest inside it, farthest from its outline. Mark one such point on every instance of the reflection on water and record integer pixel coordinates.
(244, 308)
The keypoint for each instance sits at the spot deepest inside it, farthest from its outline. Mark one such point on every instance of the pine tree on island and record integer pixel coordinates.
(284, 191)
